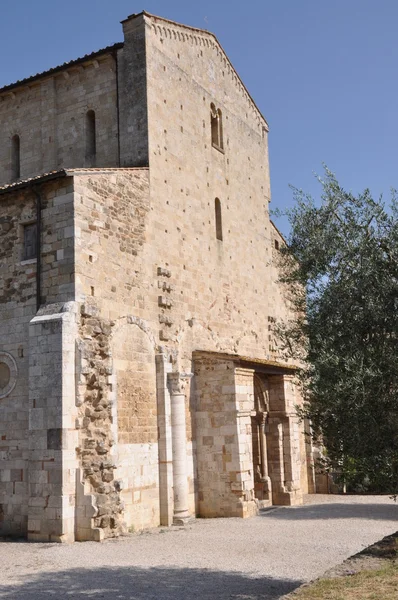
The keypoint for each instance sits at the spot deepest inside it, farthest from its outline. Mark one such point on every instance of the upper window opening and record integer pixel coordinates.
(217, 205)
(30, 241)
(276, 242)
(216, 127)
(91, 142)
(16, 157)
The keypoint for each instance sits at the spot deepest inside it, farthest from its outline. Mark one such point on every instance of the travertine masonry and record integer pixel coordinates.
(140, 379)
(18, 306)
(49, 117)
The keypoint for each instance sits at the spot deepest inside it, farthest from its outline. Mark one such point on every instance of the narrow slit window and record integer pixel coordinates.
(217, 205)
(29, 241)
(91, 142)
(16, 157)
(220, 131)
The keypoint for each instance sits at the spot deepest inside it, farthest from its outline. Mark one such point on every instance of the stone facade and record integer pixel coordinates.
(140, 381)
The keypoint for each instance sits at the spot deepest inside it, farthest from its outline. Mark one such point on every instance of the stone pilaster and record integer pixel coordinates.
(284, 436)
(244, 395)
(52, 433)
(48, 125)
(225, 401)
(133, 104)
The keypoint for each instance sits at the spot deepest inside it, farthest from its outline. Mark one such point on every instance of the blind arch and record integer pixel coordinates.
(16, 157)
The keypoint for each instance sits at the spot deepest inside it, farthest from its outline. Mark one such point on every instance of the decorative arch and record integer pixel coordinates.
(8, 374)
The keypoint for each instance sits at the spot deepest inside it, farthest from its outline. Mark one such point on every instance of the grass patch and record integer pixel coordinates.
(365, 585)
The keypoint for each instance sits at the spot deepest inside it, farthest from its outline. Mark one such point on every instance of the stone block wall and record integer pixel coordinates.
(153, 282)
(224, 399)
(17, 309)
(117, 375)
(225, 406)
(49, 116)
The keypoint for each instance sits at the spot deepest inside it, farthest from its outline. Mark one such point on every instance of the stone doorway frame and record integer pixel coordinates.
(224, 394)
(259, 424)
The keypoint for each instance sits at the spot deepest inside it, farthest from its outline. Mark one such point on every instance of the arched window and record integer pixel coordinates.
(16, 157)
(216, 127)
(217, 206)
(91, 148)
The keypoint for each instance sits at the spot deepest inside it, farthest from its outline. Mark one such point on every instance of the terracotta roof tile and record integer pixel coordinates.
(15, 185)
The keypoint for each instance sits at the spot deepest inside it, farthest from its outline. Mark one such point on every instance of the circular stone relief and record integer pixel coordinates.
(8, 374)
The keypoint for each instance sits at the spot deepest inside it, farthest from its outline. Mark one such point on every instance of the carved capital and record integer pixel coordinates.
(177, 382)
(261, 418)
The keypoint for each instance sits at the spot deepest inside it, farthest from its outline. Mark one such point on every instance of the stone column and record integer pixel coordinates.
(165, 443)
(177, 383)
(262, 420)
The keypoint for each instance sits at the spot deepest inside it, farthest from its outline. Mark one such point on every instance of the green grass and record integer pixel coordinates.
(380, 584)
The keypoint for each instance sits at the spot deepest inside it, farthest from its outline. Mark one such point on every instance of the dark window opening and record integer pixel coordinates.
(16, 157)
(276, 245)
(217, 205)
(30, 241)
(91, 142)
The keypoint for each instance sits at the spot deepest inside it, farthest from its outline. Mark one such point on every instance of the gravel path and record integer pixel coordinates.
(260, 558)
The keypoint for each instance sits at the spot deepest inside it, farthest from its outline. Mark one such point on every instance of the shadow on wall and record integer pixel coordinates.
(147, 584)
(377, 512)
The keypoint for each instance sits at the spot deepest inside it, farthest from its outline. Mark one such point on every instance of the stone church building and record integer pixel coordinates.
(140, 383)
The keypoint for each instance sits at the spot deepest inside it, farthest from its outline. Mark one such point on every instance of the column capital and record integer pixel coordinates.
(177, 382)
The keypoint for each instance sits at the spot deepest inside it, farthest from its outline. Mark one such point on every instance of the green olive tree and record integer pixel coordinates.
(343, 251)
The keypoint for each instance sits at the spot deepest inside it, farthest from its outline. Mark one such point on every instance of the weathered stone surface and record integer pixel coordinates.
(161, 254)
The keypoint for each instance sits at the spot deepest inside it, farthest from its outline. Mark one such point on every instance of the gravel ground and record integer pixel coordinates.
(260, 558)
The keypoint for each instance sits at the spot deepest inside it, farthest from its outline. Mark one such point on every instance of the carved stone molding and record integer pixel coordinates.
(8, 374)
(177, 382)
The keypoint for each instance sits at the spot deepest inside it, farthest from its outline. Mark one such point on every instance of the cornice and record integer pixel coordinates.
(171, 30)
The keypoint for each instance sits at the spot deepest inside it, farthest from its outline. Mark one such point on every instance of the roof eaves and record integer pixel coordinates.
(11, 187)
(66, 65)
(237, 358)
(277, 230)
(43, 177)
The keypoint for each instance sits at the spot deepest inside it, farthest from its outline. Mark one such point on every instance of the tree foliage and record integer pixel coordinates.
(344, 252)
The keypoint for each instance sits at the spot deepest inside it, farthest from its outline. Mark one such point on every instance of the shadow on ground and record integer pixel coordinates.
(378, 512)
(132, 583)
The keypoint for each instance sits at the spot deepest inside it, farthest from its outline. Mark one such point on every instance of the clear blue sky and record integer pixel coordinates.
(323, 72)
